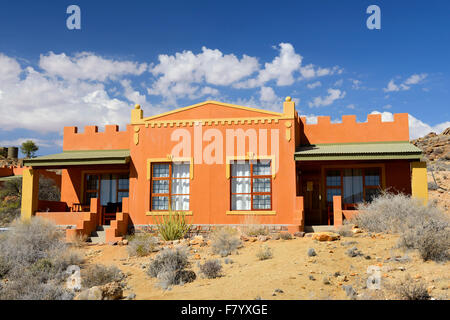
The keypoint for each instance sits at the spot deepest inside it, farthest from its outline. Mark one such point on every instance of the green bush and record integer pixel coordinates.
(173, 226)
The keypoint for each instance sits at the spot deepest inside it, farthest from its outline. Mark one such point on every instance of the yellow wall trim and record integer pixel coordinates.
(250, 212)
(166, 213)
(30, 189)
(209, 122)
(212, 102)
(419, 181)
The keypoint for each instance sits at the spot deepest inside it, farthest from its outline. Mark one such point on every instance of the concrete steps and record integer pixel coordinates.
(99, 235)
(319, 228)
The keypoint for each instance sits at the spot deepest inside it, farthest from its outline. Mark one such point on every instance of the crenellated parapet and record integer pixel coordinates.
(347, 131)
(91, 139)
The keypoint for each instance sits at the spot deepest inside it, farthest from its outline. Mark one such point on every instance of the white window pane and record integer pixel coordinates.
(161, 170)
(353, 186)
(240, 185)
(108, 189)
(261, 185)
(240, 202)
(160, 186)
(180, 203)
(160, 203)
(261, 201)
(261, 168)
(180, 170)
(180, 186)
(240, 170)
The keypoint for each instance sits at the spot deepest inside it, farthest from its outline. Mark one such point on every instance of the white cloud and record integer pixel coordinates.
(406, 85)
(267, 94)
(37, 101)
(333, 95)
(17, 142)
(178, 74)
(9, 69)
(132, 95)
(314, 85)
(281, 69)
(308, 71)
(310, 118)
(356, 84)
(415, 78)
(417, 128)
(351, 106)
(88, 66)
(338, 83)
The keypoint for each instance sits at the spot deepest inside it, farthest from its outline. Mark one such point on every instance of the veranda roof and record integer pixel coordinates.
(74, 158)
(359, 151)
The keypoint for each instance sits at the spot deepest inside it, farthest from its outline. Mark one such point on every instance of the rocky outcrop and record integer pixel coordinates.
(436, 147)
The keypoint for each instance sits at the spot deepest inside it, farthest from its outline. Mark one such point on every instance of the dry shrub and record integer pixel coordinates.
(285, 236)
(432, 186)
(345, 230)
(141, 244)
(168, 267)
(98, 275)
(33, 259)
(421, 227)
(48, 190)
(430, 237)
(264, 253)
(225, 240)
(408, 289)
(211, 269)
(9, 213)
(79, 240)
(251, 227)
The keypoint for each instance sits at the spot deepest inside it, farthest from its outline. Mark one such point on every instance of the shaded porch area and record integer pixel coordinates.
(334, 178)
(94, 191)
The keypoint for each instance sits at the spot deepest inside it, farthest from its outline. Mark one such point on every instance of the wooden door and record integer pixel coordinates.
(312, 201)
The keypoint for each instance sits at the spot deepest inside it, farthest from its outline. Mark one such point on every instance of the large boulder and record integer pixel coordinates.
(325, 236)
(109, 291)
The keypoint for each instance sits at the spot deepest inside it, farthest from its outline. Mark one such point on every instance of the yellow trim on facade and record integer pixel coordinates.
(209, 122)
(169, 158)
(213, 102)
(166, 213)
(249, 157)
(250, 212)
(419, 181)
(30, 186)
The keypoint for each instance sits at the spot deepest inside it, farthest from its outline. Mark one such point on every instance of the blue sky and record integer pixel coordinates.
(169, 54)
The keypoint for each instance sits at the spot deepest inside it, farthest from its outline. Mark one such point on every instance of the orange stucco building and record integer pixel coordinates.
(219, 163)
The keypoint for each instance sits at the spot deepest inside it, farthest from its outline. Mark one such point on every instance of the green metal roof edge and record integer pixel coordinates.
(353, 143)
(105, 157)
(75, 163)
(108, 150)
(313, 157)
